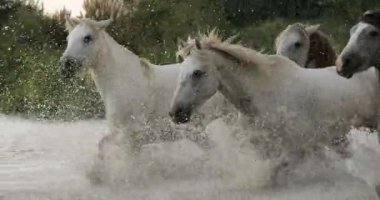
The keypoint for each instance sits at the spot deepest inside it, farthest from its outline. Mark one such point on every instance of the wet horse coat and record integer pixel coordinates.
(289, 102)
(135, 92)
(362, 52)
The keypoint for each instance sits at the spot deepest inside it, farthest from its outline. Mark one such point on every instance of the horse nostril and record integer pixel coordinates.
(171, 114)
(69, 66)
(69, 63)
(340, 72)
(178, 112)
(346, 61)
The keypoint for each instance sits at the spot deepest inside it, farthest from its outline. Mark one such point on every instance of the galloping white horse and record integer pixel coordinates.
(308, 46)
(362, 52)
(280, 96)
(363, 49)
(136, 93)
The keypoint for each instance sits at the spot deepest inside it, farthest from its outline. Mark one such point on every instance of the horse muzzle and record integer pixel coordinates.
(345, 74)
(347, 66)
(180, 115)
(68, 66)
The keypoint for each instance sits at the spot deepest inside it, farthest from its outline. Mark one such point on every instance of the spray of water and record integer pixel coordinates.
(54, 160)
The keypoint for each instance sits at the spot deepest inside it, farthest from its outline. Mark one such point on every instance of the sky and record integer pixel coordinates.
(52, 5)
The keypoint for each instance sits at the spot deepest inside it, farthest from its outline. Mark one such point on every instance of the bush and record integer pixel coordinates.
(31, 43)
(30, 48)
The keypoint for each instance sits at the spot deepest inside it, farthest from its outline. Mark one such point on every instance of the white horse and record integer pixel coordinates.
(135, 92)
(308, 46)
(363, 49)
(362, 52)
(312, 106)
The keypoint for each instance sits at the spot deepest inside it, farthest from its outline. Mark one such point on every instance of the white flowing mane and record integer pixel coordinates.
(212, 41)
(86, 21)
(144, 63)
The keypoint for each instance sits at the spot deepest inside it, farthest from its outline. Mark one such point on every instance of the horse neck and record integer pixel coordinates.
(118, 76)
(114, 66)
(235, 83)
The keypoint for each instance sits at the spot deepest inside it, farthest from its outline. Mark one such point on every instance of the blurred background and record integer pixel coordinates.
(32, 38)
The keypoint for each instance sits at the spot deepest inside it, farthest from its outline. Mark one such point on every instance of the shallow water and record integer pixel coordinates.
(47, 160)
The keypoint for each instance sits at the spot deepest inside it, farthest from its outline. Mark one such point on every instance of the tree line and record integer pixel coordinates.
(31, 42)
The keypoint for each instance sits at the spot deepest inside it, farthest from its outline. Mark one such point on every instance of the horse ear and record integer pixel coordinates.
(313, 28)
(71, 23)
(104, 23)
(181, 43)
(180, 58)
(197, 44)
(371, 17)
(372, 14)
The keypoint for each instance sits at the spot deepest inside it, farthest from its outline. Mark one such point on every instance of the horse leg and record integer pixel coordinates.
(111, 162)
(280, 173)
(103, 142)
(377, 186)
(378, 125)
(340, 144)
(284, 172)
(116, 139)
(96, 174)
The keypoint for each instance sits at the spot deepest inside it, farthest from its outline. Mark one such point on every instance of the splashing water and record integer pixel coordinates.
(54, 160)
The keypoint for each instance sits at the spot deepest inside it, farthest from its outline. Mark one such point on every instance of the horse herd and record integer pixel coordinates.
(296, 92)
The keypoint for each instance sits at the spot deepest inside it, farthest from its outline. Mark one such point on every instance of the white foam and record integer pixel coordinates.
(43, 160)
(365, 161)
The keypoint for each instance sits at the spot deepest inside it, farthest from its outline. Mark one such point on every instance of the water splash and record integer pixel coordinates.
(365, 160)
(48, 160)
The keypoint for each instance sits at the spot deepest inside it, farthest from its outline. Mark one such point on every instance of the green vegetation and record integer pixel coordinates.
(31, 43)
(30, 47)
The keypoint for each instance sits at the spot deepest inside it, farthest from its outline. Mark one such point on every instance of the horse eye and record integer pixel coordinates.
(87, 39)
(298, 44)
(373, 33)
(197, 74)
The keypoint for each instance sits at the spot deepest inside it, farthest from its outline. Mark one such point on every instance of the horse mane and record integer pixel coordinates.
(214, 42)
(298, 27)
(320, 50)
(85, 21)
